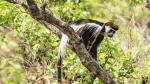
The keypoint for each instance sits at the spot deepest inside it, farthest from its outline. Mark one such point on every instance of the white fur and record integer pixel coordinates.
(76, 27)
(64, 41)
(107, 29)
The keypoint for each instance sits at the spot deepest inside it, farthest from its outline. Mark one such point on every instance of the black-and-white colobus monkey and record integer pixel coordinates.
(92, 32)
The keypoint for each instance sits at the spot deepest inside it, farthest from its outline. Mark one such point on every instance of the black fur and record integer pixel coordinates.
(84, 21)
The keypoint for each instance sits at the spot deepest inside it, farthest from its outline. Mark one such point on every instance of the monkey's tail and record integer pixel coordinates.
(61, 52)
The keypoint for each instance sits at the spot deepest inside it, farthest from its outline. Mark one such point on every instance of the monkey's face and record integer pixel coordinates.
(109, 32)
(110, 29)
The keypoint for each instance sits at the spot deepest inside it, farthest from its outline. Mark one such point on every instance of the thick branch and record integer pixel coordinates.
(21, 2)
(46, 16)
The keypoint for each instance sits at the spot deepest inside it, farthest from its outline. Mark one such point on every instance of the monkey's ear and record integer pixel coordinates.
(112, 25)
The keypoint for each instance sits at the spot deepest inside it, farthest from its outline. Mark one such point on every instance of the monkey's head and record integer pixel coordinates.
(110, 29)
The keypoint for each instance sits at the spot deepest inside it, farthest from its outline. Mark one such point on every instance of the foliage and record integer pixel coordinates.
(126, 57)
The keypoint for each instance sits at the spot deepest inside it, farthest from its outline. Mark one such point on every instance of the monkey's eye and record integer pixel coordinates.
(112, 31)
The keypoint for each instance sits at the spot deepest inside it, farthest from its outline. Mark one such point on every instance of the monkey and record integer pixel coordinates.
(92, 33)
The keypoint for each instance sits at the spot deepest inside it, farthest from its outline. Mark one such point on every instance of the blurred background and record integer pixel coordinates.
(28, 51)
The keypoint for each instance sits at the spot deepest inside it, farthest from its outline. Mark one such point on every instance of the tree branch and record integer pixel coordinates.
(47, 17)
(22, 3)
(52, 28)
